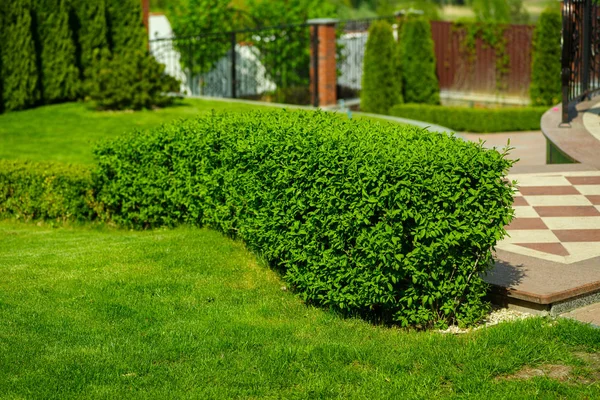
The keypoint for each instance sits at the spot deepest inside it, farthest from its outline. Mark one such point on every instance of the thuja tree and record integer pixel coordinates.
(126, 26)
(19, 67)
(545, 87)
(90, 31)
(381, 82)
(59, 73)
(417, 54)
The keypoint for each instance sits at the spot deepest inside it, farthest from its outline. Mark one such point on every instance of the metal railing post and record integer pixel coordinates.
(233, 66)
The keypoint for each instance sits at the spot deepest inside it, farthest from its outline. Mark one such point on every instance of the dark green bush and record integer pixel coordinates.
(90, 31)
(419, 79)
(130, 80)
(59, 72)
(480, 120)
(45, 191)
(126, 31)
(19, 62)
(381, 81)
(545, 89)
(395, 223)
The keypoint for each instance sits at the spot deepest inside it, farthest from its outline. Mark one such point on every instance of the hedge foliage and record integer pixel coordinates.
(394, 223)
(545, 89)
(47, 46)
(47, 191)
(130, 80)
(479, 120)
(381, 80)
(417, 53)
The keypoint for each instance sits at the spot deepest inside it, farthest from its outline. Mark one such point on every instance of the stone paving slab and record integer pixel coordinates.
(588, 314)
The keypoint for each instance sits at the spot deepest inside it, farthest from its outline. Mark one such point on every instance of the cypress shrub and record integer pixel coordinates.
(130, 80)
(381, 83)
(20, 63)
(545, 87)
(419, 78)
(391, 222)
(2, 26)
(59, 72)
(89, 24)
(126, 29)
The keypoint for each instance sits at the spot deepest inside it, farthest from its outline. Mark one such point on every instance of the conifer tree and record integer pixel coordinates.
(126, 31)
(59, 73)
(19, 62)
(417, 54)
(381, 82)
(545, 89)
(90, 31)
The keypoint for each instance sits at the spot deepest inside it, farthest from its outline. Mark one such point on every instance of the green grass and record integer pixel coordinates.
(68, 132)
(95, 312)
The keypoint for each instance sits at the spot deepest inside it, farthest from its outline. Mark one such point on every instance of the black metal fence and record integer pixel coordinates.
(271, 64)
(580, 52)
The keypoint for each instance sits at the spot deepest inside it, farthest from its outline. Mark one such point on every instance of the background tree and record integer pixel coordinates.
(419, 79)
(19, 63)
(500, 11)
(59, 73)
(545, 89)
(381, 81)
(126, 29)
(90, 31)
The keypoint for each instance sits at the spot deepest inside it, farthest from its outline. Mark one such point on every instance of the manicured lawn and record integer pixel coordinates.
(95, 312)
(68, 132)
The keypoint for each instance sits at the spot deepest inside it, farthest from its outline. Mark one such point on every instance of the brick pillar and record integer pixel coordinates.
(145, 12)
(323, 75)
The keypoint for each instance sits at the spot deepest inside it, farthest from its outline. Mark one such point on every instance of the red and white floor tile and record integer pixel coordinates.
(557, 217)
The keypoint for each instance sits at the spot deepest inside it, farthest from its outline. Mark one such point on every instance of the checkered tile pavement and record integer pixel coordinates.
(557, 217)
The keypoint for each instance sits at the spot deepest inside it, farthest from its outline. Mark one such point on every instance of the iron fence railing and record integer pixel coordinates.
(262, 64)
(580, 52)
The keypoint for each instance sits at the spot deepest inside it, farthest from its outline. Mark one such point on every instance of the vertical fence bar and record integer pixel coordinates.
(233, 66)
(315, 60)
(587, 33)
(566, 59)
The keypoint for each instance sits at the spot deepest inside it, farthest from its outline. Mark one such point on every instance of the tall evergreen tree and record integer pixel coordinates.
(59, 72)
(126, 29)
(381, 81)
(19, 63)
(2, 25)
(545, 89)
(417, 52)
(90, 31)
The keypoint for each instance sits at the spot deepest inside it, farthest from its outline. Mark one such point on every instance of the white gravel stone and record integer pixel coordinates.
(494, 318)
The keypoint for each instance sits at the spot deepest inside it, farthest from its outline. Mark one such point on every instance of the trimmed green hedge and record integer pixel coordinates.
(393, 223)
(46, 191)
(477, 120)
(381, 80)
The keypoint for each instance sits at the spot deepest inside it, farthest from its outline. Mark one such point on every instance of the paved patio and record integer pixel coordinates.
(551, 259)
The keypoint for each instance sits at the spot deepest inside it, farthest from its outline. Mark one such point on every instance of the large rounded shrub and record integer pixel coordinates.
(419, 79)
(381, 80)
(389, 222)
(545, 87)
